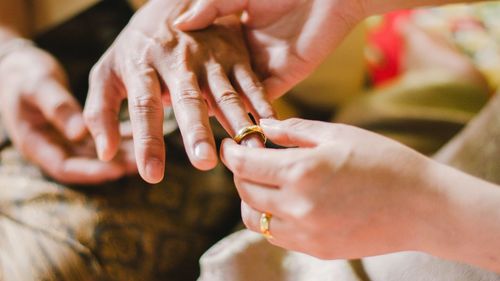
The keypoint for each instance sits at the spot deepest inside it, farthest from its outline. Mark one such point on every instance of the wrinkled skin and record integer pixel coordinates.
(287, 39)
(199, 74)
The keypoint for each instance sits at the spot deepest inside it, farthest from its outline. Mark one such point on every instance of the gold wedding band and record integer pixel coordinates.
(253, 129)
(265, 223)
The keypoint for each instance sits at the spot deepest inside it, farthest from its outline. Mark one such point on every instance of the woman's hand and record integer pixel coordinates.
(287, 39)
(198, 73)
(341, 193)
(45, 122)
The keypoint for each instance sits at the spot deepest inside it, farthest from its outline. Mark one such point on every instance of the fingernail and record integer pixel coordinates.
(75, 127)
(269, 122)
(154, 170)
(184, 17)
(100, 143)
(204, 151)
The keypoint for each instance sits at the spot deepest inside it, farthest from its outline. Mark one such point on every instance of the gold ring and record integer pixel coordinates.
(265, 223)
(253, 129)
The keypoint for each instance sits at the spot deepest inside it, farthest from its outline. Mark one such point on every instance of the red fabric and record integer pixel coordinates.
(389, 47)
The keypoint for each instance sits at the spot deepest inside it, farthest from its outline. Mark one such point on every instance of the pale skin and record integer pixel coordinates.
(43, 119)
(342, 192)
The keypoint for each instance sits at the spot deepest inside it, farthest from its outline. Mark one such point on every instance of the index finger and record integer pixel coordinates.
(260, 165)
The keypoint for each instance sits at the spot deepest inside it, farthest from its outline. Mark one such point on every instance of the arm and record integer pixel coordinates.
(345, 193)
(464, 219)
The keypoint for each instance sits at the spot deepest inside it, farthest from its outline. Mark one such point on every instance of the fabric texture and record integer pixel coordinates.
(123, 230)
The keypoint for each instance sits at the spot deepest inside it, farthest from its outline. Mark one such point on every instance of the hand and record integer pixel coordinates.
(342, 193)
(198, 73)
(45, 122)
(287, 39)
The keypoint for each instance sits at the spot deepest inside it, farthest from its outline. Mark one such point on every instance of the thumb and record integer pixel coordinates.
(204, 13)
(297, 132)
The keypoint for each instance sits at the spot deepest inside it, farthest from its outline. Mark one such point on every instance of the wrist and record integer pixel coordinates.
(463, 220)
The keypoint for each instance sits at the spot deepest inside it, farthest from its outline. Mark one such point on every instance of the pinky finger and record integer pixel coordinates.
(283, 233)
(254, 92)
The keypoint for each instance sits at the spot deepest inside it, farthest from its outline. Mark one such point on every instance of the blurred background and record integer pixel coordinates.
(417, 76)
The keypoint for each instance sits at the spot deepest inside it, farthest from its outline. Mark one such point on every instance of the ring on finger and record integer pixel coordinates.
(265, 225)
(249, 130)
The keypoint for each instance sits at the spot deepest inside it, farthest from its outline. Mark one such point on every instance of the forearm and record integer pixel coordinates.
(383, 6)
(466, 224)
(14, 20)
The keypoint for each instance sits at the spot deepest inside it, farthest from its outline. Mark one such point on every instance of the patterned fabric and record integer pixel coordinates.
(124, 230)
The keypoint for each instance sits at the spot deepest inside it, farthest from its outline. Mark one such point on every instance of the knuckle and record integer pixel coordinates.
(189, 96)
(228, 98)
(297, 123)
(265, 110)
(198, 133)
(151, 142)
(215, 69)
(254, 88)
(146, 105)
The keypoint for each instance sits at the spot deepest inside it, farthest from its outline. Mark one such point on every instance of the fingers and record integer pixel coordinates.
(204, 12)
(43, 147)
(259, 196)
(60, 108)
(254, 92)
(87, 171)
(101, 111)
(299, 132)
(228, 106)
(259, 165)
(146, 116)
(191, 113)
(278, 228)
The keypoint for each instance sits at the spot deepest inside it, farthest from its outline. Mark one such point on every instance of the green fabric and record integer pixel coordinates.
(422, 109)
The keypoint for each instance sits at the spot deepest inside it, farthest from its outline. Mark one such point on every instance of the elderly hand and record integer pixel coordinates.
(198, 73)
(287, 39)
(45, 122)
(342, 192)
